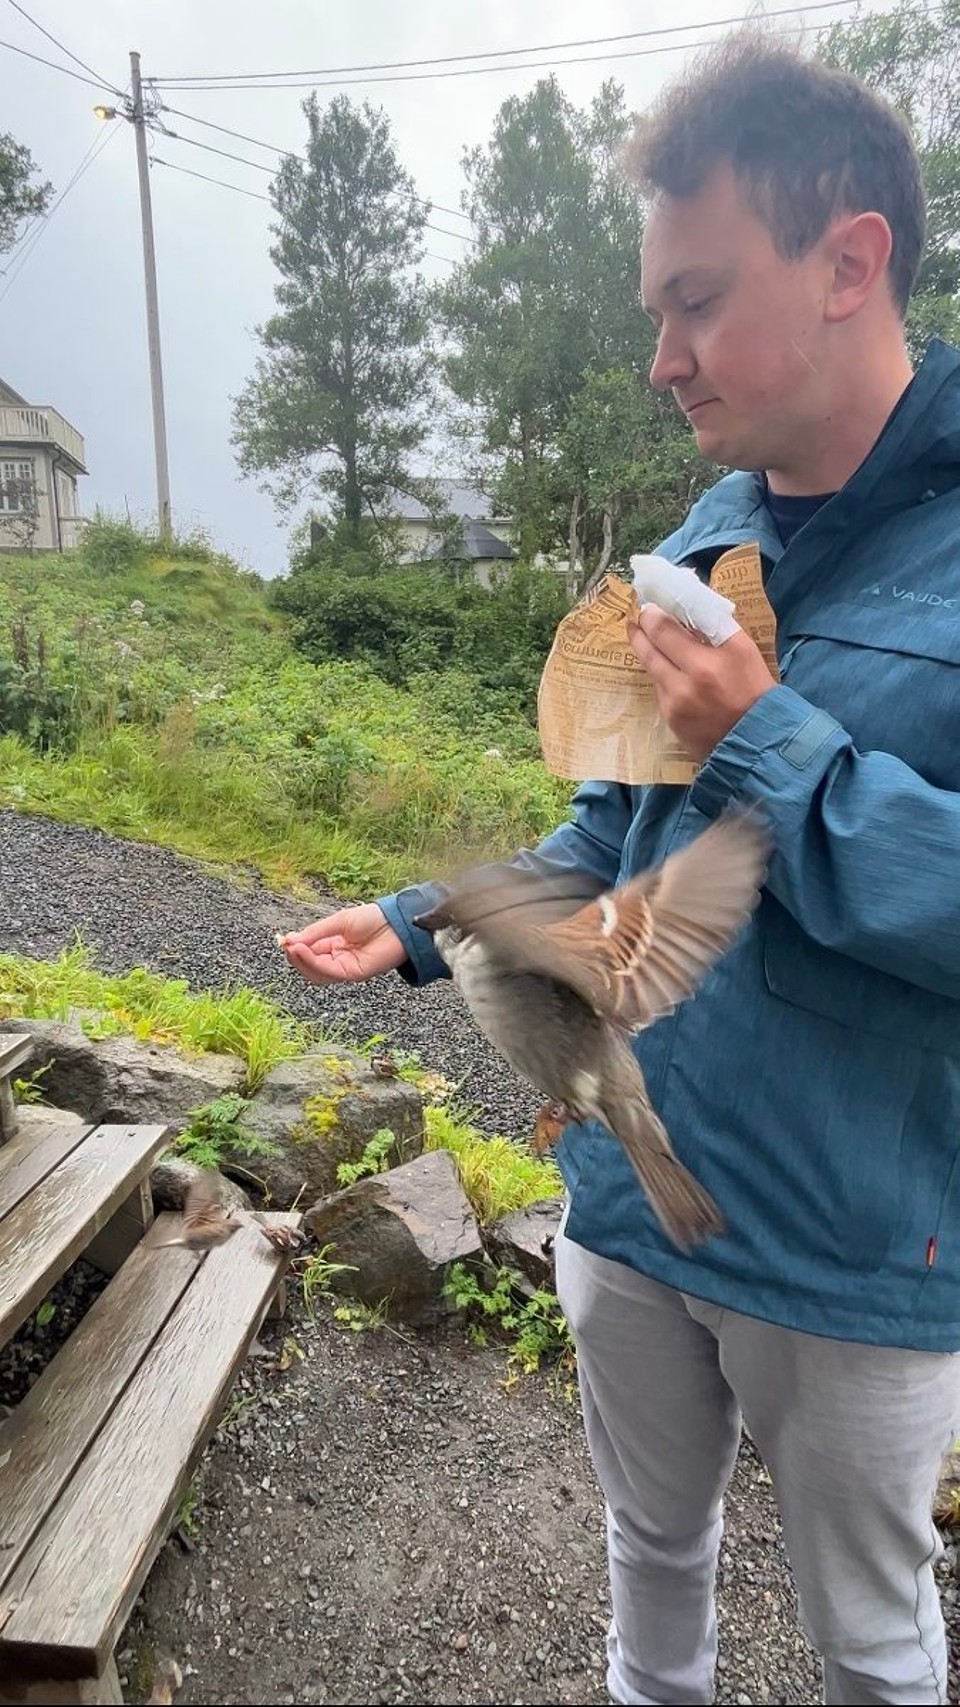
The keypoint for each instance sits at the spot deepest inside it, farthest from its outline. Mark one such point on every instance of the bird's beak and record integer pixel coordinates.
(434, 920)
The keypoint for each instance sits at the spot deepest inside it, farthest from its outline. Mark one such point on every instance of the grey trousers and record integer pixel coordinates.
(852, 1436)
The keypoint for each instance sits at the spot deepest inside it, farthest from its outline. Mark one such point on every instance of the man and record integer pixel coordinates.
(813, 1086)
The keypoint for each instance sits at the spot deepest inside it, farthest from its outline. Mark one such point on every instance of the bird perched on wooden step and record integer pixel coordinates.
(205, 1223)
(557, 984)
(281, 1235)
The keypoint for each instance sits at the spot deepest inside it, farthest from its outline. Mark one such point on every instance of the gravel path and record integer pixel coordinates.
(382, 1519)
(135, 904)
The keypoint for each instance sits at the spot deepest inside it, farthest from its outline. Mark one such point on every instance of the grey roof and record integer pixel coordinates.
(479, 542)
(8, 395)
(461, 500)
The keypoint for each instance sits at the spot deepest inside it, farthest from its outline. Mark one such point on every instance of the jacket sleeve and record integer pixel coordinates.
(590, 841)
(867, 854)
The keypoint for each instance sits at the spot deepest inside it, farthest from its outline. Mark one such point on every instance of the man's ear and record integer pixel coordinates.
(857, 248)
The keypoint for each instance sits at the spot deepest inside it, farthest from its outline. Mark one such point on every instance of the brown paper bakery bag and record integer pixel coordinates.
(597, 709)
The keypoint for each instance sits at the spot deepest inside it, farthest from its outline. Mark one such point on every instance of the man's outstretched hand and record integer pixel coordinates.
(349, 946)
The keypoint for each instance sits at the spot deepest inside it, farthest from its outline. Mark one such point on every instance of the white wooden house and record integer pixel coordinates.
(485, 534)
(41, 459)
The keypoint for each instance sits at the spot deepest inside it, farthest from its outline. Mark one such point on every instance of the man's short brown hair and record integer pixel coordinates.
(807, 142)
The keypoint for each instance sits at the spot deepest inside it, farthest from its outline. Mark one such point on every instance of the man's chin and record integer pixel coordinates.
(711, 444)
(723, 449)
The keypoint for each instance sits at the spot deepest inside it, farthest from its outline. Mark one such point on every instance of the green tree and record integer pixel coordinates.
(551, 289)
(631, 466)
(912, 56)
(336, 406)
(20, 199)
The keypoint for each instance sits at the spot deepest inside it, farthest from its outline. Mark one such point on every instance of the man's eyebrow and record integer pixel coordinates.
(671, 287)
(685, 276)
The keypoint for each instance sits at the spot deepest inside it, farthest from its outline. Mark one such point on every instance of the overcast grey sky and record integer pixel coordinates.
(72, 327)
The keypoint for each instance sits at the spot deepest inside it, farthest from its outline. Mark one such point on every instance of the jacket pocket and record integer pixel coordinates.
(859, 1043)
(800, 971)
(892, 682)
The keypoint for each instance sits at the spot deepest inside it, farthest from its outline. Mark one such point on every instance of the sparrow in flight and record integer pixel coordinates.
(558, 986)
(205, 1223)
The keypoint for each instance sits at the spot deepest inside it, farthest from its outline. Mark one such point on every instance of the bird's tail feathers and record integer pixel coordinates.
(684, 1208)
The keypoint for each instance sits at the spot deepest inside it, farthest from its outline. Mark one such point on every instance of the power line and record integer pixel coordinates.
(96, 147)
(93, 82)
(469, 70)
(466, 71)
(273, 148)
(44, 32)
(461, 236)
(255, 195)
(189, 172)
(255, 77)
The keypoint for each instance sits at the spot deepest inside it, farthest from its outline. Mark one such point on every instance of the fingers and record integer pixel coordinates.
(647, 652)
(320, 931)
(330, 963)
(682, 646)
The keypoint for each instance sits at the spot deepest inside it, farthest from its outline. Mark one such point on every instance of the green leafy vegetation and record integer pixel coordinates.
(215, 1129)
(147, 1006)
(531, 1319)
(163, 698)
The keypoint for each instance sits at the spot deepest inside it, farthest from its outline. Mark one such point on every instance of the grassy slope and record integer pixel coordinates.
(203, 729)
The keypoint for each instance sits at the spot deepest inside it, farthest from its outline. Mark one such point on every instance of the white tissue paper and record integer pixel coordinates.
(680, 592)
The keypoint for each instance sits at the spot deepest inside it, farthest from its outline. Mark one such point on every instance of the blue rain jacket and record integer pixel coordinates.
(813, 1083)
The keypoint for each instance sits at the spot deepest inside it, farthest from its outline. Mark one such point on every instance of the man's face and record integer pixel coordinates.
(741, 332)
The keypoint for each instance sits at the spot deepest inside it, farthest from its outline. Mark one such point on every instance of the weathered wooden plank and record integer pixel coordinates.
(123, 1232)
(39, 1147)
(102, 1691)
(15, 1046)
(64, 1606)
(47, 1230)
(44, 1439)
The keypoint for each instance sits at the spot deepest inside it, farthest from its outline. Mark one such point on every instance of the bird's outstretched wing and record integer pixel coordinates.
(632, 953)
(203, 1203)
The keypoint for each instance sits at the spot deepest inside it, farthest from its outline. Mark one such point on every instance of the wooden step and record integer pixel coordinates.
(15, 1047)
(94, 1460)
(55, 1196)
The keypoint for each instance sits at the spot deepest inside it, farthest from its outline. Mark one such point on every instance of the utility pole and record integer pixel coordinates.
(153, 313)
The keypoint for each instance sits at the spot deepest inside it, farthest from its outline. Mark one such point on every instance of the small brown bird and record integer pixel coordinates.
(558, 985)
(281, 1236)
(383, 1066)
(205, 1222)
(166, 1678)
(549, 1126)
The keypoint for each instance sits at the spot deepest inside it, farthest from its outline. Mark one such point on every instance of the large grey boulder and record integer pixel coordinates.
(401, 1232)
(119, 1078)
(319, 1111)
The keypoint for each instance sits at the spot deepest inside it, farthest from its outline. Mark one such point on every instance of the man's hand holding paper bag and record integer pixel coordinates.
(640, 689)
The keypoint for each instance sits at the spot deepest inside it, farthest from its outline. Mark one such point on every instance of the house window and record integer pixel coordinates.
(18, 486)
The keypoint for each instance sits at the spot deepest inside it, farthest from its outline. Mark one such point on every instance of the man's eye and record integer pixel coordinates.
(700, 306)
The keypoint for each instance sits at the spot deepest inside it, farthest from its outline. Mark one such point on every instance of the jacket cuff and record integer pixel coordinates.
(781, 736)
(423, 964)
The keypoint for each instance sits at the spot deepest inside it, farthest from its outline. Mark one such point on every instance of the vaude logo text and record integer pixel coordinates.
(914, 598)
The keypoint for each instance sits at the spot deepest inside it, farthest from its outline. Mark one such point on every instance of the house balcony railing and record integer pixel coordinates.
(26, 424)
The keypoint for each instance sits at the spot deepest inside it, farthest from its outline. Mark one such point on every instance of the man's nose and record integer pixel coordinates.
(673, 363)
